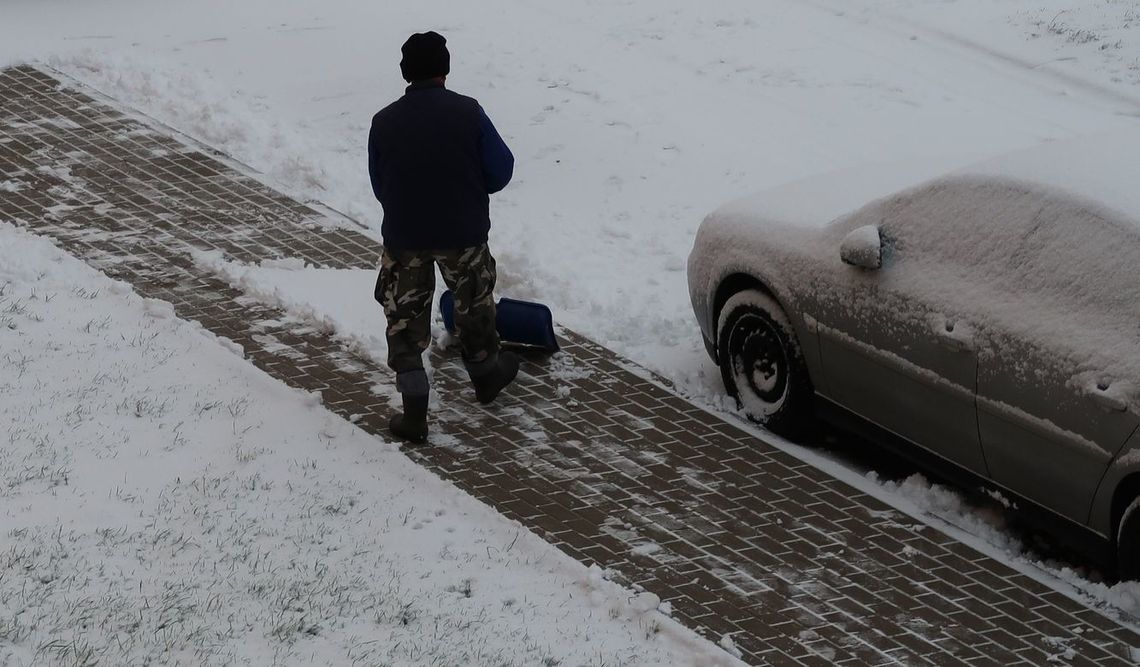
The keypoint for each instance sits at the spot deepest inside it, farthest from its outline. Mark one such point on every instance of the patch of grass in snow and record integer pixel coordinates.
(1069, 33)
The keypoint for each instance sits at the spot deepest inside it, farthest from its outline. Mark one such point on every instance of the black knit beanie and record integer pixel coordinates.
(425, 57)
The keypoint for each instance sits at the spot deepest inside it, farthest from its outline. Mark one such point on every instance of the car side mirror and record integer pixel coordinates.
(862, 247)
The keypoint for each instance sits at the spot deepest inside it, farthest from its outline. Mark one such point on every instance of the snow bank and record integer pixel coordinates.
(338, 301)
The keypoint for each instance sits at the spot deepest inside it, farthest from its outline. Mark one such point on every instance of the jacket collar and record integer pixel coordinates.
(424, 84)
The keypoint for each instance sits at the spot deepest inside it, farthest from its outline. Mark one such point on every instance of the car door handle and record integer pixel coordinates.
(957, 343)
(1106, 400)
(954, 335)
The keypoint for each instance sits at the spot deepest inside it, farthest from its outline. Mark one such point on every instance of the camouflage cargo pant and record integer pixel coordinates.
(405, 289)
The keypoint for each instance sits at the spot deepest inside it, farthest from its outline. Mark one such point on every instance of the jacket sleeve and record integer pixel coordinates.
(498, 163)
(373, 164)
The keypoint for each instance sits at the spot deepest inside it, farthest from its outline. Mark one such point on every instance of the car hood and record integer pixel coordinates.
(811, 203)
(775, 235)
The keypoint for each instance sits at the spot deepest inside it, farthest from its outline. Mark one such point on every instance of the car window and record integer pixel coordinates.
(974, 225)
(1039, 243)
(1077, 255)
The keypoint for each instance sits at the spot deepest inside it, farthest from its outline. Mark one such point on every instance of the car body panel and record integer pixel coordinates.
(926, 396)
(1044, 438)
(978, 339)
(1125, 466)
(1053, 411)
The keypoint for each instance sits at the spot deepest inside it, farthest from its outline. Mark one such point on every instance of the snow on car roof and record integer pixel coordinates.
(1101, 168)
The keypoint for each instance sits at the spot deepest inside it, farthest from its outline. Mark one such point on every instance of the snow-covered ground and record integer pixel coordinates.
(162, 500)
(629, 121)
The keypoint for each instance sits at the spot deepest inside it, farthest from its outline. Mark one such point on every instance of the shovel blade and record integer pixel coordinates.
(518, 322)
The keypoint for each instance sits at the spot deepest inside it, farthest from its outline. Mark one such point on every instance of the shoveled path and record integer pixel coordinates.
(588, 451)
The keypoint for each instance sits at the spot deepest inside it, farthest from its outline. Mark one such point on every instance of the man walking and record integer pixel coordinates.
(434, 157)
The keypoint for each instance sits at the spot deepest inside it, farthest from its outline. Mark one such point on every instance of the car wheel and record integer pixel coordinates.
(1128, 543)
(761, 363)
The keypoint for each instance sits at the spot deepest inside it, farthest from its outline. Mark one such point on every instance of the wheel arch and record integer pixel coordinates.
(1122, 496)
(793, 419)
(732, 284)
(739, 281)
(1122, 555)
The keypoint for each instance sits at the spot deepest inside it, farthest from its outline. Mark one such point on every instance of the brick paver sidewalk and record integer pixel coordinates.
(611, 467)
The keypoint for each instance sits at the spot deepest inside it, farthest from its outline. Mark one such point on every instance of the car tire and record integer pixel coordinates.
(761, 363)
(1128, 543)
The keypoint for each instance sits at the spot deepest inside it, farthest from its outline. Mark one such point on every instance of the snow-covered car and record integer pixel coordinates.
(988, 319)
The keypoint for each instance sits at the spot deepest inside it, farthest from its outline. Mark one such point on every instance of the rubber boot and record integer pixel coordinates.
(412, 424)
(489, 377)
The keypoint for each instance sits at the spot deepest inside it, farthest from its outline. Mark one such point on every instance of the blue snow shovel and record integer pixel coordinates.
(518, 322)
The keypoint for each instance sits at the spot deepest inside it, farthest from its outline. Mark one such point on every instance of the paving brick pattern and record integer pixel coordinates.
(586, 450)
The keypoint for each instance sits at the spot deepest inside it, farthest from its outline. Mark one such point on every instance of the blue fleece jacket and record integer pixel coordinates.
(433, 157)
